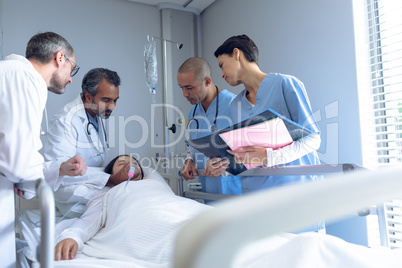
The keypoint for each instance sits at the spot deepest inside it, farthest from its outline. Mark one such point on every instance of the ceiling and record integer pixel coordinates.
(198, 5)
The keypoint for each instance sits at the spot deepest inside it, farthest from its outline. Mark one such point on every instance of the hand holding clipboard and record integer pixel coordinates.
(266, 130)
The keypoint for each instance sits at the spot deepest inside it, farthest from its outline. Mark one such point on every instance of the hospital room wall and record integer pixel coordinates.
(314, 41)
(104, 33)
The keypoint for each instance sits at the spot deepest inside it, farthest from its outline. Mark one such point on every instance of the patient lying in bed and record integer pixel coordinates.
(135, 224)
(133, 212)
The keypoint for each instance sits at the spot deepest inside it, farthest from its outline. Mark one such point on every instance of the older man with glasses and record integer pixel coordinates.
(75, 69)
(80, 128)
(24, 85)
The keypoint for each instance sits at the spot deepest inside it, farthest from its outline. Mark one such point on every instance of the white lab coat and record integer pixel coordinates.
(67, 136)
(23, 95)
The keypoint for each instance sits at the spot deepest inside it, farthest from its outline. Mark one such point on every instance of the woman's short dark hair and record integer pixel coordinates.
(241, 42)
(109, 167)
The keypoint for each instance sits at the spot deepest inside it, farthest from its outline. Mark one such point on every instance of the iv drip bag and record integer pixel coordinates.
(150, 65)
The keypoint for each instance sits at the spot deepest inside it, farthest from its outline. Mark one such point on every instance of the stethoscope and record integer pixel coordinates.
(213, 127)
(104, 132)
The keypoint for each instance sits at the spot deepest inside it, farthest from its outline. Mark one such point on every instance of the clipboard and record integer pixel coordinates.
(268, 129)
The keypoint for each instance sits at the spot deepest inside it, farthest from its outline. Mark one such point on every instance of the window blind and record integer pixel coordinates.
(385, 63)
(385, 55)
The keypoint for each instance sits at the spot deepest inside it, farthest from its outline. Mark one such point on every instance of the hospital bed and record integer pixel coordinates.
(273, 171)
(45, 249)
(215, 228)
(201, 241)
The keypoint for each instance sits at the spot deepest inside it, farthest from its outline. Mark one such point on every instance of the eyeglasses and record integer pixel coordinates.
(74, 71)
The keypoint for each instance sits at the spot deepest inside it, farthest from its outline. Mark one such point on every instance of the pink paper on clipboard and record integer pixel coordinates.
(268, 134)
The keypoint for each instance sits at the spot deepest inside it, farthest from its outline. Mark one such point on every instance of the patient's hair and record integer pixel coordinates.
(43, 46)
(94, 77)
(198, 66)
(109, 167)
(241, 42)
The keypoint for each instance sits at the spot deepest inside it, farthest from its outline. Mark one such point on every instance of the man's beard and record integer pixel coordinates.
(56, 86)
(105, 114)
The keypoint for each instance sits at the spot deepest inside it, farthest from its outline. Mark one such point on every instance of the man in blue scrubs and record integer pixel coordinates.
(210, 112)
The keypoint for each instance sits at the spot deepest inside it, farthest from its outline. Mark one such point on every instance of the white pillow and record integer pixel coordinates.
(150, 173)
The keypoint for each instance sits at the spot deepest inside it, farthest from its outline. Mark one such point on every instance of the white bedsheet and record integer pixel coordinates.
(314, 250)
(311, 250)
(141, 225)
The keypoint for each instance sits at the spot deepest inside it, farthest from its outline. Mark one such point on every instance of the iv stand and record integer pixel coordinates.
(165, 92)
(165, 85)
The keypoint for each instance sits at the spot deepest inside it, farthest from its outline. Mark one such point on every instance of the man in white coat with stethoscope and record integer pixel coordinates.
(48, 65)
(79, 128)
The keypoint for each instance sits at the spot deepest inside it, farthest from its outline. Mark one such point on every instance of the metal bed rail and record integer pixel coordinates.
(387, 235)
(199, 243)
(272, 171)
(47, 214)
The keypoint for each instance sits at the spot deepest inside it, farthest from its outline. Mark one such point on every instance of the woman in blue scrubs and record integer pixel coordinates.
(285, 94)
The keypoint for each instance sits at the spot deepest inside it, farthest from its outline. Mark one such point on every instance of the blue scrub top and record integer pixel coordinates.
(284, 94)
(220, 184)
(287, 96)
(93, 121)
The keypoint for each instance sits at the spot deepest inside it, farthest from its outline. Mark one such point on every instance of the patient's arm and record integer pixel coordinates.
(82, 229)
(66, 249)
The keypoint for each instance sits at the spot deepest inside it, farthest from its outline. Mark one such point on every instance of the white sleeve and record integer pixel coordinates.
(94, 177)
(85, 227)
(22, 100)
(51, 170)
(59, 146)
(60, 142)
(293, 151)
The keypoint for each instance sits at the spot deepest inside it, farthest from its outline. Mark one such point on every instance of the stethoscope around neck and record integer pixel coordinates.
(104, 133)
(213, 127)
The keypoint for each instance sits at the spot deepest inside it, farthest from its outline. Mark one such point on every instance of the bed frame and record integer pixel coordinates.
(45, 200)
(272, 171)
(199, 242)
